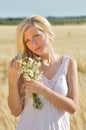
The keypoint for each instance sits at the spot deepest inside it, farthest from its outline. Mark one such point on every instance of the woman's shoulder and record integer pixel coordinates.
(72, 60)
(72, 63)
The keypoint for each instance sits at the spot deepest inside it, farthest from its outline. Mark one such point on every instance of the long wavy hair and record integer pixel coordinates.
(41, 23)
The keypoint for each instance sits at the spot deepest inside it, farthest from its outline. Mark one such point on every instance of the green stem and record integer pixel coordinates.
(36, 102)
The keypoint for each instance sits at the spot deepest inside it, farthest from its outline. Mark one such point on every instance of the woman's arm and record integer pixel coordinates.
(70, 102)
(14, 99)
(60, 101)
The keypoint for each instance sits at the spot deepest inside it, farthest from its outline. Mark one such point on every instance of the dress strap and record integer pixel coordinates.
(65, 64)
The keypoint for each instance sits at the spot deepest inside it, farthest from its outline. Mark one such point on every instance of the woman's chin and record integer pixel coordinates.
(41, 52)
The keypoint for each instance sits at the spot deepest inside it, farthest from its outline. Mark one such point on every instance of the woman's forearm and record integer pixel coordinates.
(14, 100)
(60, 101)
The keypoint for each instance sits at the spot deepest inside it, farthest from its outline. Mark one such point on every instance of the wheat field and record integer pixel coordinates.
(69, 40)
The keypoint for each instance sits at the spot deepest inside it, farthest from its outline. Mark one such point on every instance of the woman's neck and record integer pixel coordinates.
(51, 57)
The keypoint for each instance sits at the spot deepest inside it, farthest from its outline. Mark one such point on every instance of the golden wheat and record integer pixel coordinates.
(69, 40)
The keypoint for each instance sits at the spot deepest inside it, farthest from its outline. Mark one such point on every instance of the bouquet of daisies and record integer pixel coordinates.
(30, 70)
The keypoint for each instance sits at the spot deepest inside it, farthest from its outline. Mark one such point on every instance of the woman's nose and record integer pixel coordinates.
(34, 42)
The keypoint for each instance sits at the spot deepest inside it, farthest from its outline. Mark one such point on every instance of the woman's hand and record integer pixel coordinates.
(13, 71)
(34, 86)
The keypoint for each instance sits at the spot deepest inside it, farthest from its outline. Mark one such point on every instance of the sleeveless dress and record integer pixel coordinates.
(49, 117)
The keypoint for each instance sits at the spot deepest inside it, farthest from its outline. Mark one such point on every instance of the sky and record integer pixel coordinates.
(25, 8)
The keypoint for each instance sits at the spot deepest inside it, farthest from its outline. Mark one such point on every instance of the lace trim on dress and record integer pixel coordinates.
(61, 70)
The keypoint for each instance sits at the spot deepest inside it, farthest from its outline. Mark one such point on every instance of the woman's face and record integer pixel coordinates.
(36, 40)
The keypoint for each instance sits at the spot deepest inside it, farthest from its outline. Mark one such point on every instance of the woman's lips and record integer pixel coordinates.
(37, 48)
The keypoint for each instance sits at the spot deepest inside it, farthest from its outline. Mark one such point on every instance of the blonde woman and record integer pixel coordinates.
(58, 88)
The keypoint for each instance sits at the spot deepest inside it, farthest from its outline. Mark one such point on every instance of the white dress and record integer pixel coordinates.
(49, 117)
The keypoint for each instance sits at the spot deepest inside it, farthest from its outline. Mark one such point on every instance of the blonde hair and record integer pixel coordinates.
(41, 23)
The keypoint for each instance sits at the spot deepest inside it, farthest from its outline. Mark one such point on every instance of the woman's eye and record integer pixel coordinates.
(36, 35)
(27, 41)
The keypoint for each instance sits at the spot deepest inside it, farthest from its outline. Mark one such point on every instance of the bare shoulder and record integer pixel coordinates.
(72, 61)
(72, 71)
(72, 64)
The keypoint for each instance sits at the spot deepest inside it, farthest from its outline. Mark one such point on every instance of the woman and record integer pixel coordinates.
(58, 88)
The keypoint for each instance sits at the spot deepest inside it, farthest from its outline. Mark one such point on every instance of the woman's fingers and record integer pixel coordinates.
(27, 79)
(32, 86)
(28, 83)
(14, 63)
(11, 63)
(18, 65)
(14, 67)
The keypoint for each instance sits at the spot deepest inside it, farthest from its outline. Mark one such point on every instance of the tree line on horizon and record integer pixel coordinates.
(52, 20)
